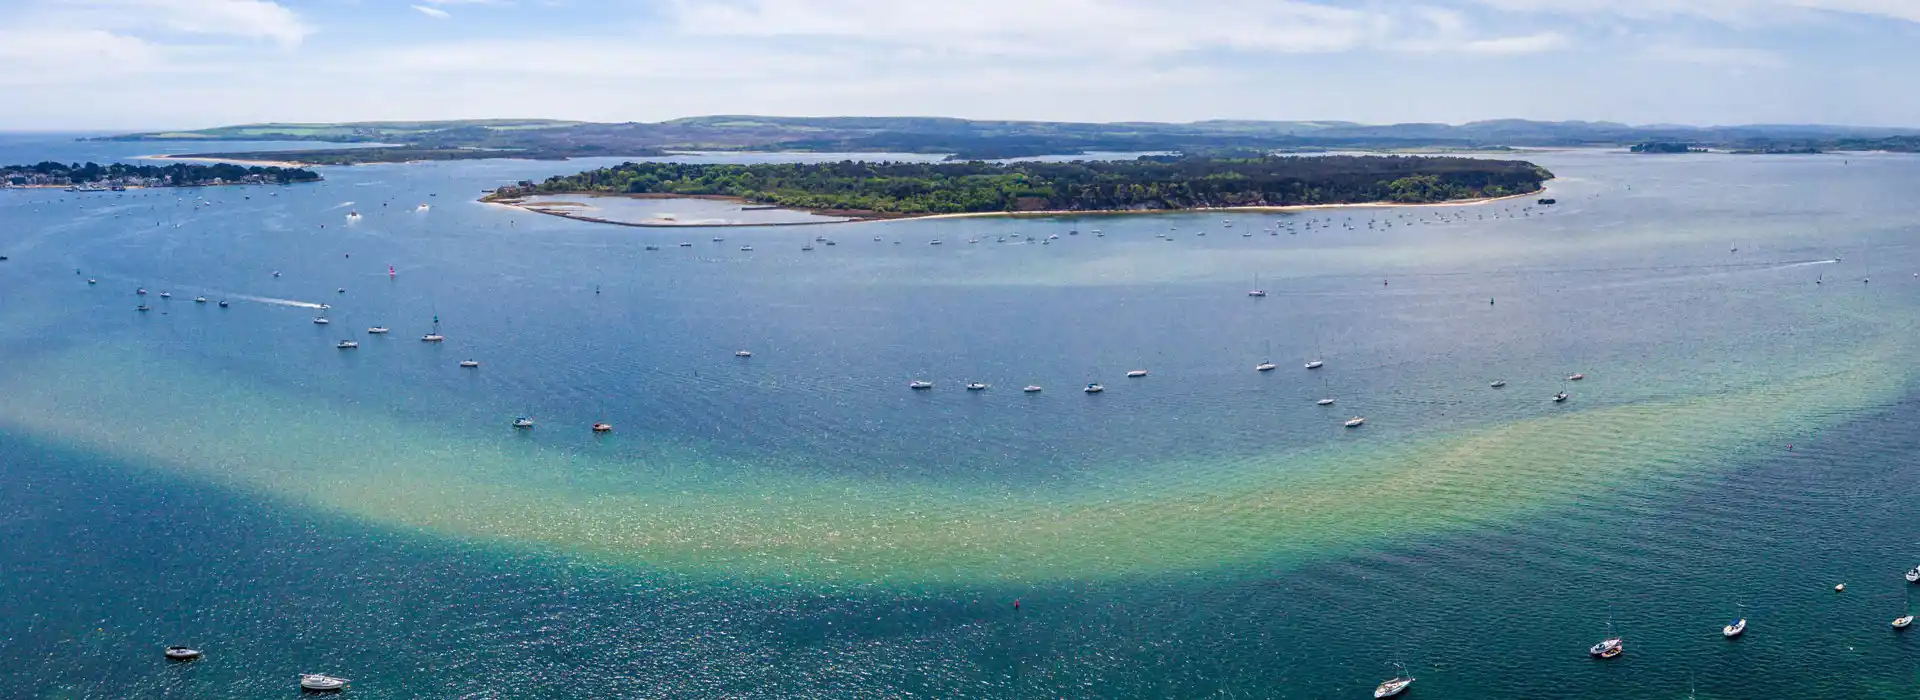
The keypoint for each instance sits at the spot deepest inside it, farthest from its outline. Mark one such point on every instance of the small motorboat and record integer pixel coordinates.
(224, 304)
(1094, 389)
(1136, 374)
(653, 247)
(469, 364)
(976, 386)
(1607, 649)
(1264, 367)
(919, 385)
(199, 300)
(1032, 389)
(276, 273)
(91, 280)
(320, 321)
(746, 249)
(806, 248)
(743, 353)
(1324, 402)
(1392, 688)
(1576, 377)
(1734, 628)
(1355, 422)
(1257, 293)
(686, 245)
(602, 428)
(141, 291)
(378, 330)
(346, 345)
(181, 653)
(342, 290)
(718, 239)
(322, 684)
(1497, 383)
(1316, 364)
(523, 422)
(432, 338)
(1913, 575)
(166, 295)
(1901, 622)
(143, 307)
(832, 243)
(1561, 397)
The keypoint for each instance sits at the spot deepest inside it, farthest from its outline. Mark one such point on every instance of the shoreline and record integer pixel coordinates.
(235, 161)
(864, 217)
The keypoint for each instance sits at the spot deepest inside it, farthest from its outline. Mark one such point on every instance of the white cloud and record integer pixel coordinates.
(433, 12)
(1532, 43)
(1714, 56)
(1725, 11)
(249, 19)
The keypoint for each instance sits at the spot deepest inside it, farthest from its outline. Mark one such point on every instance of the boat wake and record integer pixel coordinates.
(281, 302)
(341, 205)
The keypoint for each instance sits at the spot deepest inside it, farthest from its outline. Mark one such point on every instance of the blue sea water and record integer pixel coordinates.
(799, 524)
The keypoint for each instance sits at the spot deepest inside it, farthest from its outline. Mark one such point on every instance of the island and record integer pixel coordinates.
(879, 190)
(1663, 147)
(119, 176)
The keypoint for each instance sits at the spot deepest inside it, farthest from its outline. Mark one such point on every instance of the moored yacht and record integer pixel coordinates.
(976, 386)
(1560, 397)
(1497, 383)
(1355, 422)
(432, 338)
(346, 345)
(1136, 374)
(1576, 377)
(199, 300)
(743, 353)
(1607, 648)
(920, 385)
(1264, 367)
(1316, 364)
(378, 330)
(1392, 687)
(469, 364)
(1032, 389)
(523, 422)
(1913, 575)
(1094, 388)
(603, 427)
(320, 683)
(1734, 628)
(1901, 622)
(179, 653)
(321, 320)
(1324, 402)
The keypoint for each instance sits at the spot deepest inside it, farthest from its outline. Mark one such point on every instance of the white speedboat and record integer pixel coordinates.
(1136, 374)
(1094, 389)
(976, 386)
(1901, 623)
(1497, 383)
(177, 653)
(1264, 367)
(469, 364)
(166, 295)
(199, 300)
(346, 345)
(321, 320)
(743, 353)
(1324, 402)
(1316, 364)
(523, 422)
(317, 682)
(91, 280)
(1607, 648)
(603, 427)
(1561, 397)
(1032, 389)
(141, 291)
(920, 385)
(1391, 688)
(1734, 628)
(378, 330)
(432, 338)
(1355, 422)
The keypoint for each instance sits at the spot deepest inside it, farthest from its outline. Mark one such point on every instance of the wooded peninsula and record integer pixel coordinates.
(122, 175)
(1145, 184)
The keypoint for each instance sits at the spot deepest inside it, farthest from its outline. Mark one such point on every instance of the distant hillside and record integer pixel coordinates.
(976, 139)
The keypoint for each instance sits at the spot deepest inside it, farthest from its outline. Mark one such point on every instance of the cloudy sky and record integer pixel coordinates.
(122, 64)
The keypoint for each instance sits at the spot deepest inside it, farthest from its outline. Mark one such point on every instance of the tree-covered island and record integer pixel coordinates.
(123, 175)
(1147, 184)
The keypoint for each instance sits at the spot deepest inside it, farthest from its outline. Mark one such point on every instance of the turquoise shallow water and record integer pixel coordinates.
(799, 524)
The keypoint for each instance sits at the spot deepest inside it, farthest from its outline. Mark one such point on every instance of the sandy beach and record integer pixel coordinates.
(235, 161)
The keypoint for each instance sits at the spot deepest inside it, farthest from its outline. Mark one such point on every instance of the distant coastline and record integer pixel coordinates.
(235, 161)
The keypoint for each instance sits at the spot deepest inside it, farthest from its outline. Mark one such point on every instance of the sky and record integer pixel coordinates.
(151, 64)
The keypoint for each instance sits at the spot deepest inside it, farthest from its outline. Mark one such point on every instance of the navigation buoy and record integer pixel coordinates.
(1016, 603)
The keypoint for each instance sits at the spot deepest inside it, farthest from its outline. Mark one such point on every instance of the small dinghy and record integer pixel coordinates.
(321, 684)
(181, 654)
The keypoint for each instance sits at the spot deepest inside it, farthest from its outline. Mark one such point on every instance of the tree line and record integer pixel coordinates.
(1142, 184)
(177, 173)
